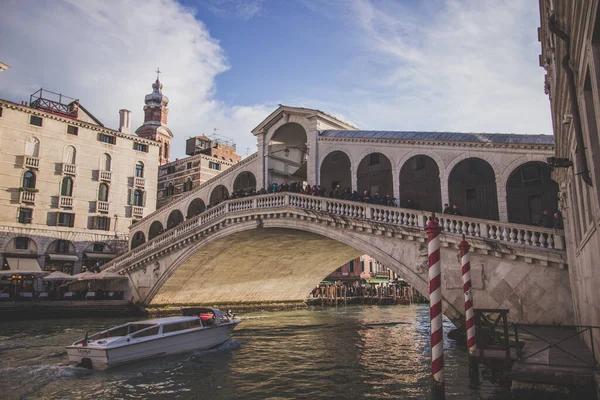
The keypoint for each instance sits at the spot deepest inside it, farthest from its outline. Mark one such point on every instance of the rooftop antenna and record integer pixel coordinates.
(247, 150)
(157, 72)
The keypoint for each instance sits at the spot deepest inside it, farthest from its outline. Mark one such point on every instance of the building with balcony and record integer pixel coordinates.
(207, 159)
(70, 187)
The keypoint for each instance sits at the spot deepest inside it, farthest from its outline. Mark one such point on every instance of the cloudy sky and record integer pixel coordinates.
(436, 65)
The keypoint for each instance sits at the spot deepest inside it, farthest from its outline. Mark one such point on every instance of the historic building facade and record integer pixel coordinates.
(70, 187)
(570, 37)
(207, 159)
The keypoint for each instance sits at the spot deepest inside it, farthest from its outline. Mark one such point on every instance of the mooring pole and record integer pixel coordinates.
(433, 230)
(465, 258)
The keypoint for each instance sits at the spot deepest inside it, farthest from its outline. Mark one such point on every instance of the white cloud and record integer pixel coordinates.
(105, 54)
(244, 9)
(446, 65)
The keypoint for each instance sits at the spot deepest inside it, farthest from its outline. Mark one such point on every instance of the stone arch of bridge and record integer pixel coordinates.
(336, 166)
(376, 171)
(288, 152)
(420, 184)
(244, 181)
(203, 269)
(218, 194)
(195, 207)
(156, 228)
(175, 218)
(472, 185)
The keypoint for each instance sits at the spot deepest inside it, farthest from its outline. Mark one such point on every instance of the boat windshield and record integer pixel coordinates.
(122, 330)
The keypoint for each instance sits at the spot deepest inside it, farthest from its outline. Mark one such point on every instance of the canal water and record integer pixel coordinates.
(354, 352)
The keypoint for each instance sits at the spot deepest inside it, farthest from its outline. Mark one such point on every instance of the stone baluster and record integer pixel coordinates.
(559, 242)
(542, 239)
(550, 241)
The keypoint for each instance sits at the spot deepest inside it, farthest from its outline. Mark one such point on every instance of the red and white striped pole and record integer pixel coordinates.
(465, 258)
(433, 230)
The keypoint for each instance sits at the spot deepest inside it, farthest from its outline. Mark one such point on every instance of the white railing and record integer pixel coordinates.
(102, 206)
(69, 169)
(31, 162)
(105, 175)
(137, 211)
(139, 182)
(27, 197)
(167, 208)
(66, 201)
(504, 232)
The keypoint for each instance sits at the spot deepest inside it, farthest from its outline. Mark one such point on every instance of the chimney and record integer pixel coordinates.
(125, 121)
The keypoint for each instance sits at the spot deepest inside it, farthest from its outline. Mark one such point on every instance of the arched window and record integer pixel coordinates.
(70, 154)
(187, 186)
(105, 162)
(66, 187)
(103, 192)
(138, 198)
(29, 180)
(32, 147)
(170, 190)
(139, 170)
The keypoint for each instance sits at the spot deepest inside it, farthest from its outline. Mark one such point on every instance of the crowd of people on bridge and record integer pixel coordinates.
(314, 190)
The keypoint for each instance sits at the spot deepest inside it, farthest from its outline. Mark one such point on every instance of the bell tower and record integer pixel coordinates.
(155, 120)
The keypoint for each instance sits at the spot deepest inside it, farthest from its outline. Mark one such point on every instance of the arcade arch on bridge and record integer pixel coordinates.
(288, 152)
(244, 182)
(472, 187)
(336, 170)
(374, 174)
(529, 190)
(420, 186)
(175, 218)
(156, 228)
(218, 194)
(196, 207)
(138, 239)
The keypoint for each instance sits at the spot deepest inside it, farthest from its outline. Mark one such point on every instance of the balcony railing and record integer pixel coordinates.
(69, 169)
(105, 175)
(31, 162)
(102, 206)
(139, 182)
(27, 197)
(66, 201)
(137, 212)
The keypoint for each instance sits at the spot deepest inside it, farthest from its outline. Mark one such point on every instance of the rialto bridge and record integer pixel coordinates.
(277, 247)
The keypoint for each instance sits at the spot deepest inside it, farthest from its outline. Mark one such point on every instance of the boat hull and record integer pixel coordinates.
(102, 357)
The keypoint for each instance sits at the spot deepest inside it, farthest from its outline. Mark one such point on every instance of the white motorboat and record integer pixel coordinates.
(199, 328)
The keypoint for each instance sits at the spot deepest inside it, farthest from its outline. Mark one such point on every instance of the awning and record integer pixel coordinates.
(377, 280)
(59, 276)
(100, 256)
(23, 266)
(301, 172)
(63, 257)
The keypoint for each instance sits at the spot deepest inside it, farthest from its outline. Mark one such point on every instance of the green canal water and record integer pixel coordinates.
(354, 352)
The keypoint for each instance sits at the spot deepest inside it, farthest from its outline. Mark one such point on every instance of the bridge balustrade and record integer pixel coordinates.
(513, 234)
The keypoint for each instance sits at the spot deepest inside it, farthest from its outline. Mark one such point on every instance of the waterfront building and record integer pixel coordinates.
(362, 268)
(206, 159)
(69, 186)
(570, 39)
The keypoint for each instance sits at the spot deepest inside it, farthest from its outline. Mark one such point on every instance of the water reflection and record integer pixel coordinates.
(352, 353)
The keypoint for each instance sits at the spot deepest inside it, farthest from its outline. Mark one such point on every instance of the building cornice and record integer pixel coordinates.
(76, 122)
(436, 143)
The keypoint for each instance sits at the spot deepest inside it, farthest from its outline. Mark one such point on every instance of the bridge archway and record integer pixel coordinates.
(156, 228)
(138, 239)
(529, 190)
(218, 194)
(196, 207)
(288, 152)
(245, 182)
(420, 186)
(336, 169)
(375, 174)
(472, 186)
(175, 218)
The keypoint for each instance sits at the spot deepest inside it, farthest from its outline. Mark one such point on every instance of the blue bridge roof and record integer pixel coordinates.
(508, 138)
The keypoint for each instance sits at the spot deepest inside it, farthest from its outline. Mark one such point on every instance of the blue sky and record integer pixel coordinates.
(437, 65)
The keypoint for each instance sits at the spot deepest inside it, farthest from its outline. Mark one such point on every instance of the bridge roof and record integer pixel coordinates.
(500, 138)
